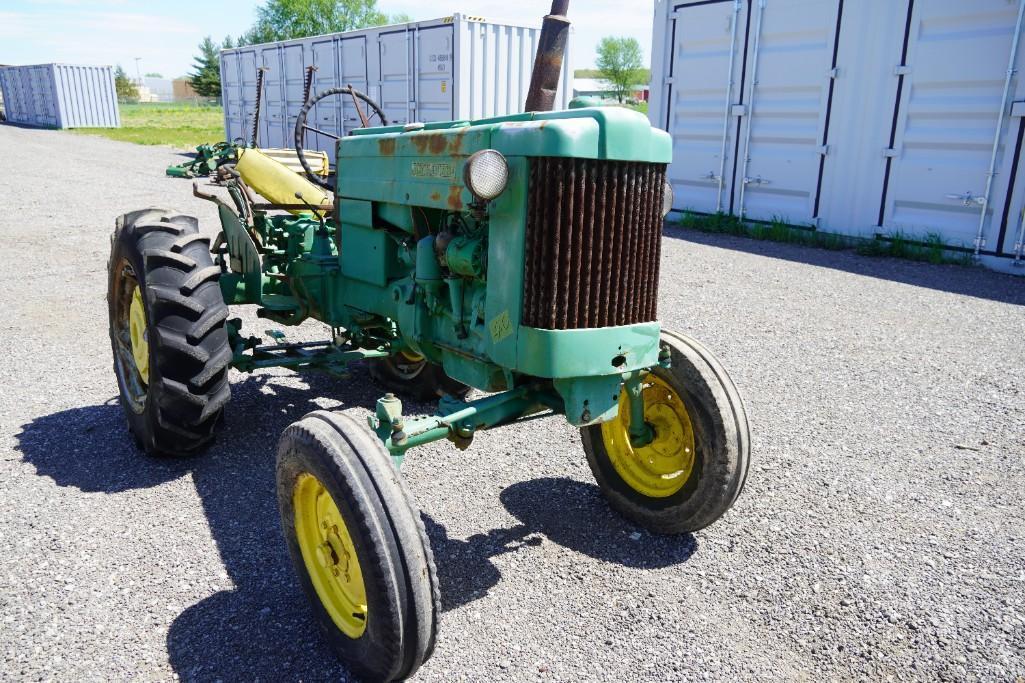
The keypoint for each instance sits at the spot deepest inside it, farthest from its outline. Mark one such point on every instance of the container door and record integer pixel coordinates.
(434, 74)
(790, 51)
(946, 120)
(247, 75)
(233, 96)
(397, 95)
(354, 73)
(43, 98)
(699, 93)
(327, 115)
(272, 120)
(293, 75)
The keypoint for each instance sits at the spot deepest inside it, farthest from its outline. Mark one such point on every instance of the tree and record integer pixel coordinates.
(620, 65)
(206, 79)
(228, 43)
(287, 19)
(126, 90)
(154, 74)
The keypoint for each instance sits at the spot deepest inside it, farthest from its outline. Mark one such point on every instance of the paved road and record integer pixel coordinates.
(881, 533)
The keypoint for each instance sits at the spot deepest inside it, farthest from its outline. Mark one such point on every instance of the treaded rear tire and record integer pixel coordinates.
(388, 535)
(723, 447)
(163, 254)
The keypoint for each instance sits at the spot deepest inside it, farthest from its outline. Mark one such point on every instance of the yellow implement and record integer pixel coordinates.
(317, 160)
(276, 182)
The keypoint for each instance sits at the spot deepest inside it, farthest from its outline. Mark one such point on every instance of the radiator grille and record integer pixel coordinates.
(592, 245)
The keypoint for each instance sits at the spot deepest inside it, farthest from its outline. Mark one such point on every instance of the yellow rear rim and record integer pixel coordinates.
(330, 556)
(411, 356)
(661, 468)
(137, 333)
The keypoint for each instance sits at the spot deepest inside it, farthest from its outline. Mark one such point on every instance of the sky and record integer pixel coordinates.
(164, 34)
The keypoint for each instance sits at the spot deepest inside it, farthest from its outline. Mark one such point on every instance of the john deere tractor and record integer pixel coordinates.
(518, 256)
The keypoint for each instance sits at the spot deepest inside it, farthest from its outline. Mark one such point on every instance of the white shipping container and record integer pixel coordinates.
(864, 118)
(458, 67)
(60, 96)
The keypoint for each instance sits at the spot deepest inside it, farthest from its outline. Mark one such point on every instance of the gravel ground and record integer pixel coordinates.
(881, 534)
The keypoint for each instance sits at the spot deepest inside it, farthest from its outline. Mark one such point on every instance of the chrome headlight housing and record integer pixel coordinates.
(667, 199)
(486, 174)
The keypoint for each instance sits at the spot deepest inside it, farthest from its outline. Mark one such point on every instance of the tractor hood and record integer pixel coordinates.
(424, 167)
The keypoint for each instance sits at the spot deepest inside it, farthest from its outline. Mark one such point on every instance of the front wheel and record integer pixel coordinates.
(358, 546)
(694, 468)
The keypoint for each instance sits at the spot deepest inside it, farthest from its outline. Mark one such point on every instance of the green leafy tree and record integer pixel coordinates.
(154, 74)
(126, 90)
(206, 79)
(287, 19)
(620, 65)
(228, 43)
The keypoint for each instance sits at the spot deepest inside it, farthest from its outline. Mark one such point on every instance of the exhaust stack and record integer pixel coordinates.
(544, 82)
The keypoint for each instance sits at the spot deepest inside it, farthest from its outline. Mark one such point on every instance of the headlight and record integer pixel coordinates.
(667, 200)
(486, 174)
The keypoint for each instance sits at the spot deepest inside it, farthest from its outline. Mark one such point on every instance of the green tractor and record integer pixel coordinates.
(516, 255)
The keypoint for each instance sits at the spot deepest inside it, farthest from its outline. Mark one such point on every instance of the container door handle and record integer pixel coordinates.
(968, 199)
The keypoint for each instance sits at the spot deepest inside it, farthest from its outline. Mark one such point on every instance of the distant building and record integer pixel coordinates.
(182, 90)
(594, 87)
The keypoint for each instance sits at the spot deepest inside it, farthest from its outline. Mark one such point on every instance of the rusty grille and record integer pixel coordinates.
(592, 247)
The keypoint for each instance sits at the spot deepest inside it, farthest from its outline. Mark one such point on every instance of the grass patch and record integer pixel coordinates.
(931, 248)
(183, 126)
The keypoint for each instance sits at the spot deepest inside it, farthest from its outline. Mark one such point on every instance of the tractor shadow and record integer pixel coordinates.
(567, 512)
(967, 281)
(263, 628)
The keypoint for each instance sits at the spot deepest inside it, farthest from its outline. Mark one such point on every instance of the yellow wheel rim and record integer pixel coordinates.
(411, 356)
(661, 468)
(137, 333)
(330, 556)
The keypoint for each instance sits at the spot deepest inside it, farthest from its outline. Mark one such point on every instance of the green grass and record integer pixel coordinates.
(183, 126)
(931, 248)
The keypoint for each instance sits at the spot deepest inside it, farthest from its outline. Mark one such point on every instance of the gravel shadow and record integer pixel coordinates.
(975, 282)
(564, 511)
(262, 628)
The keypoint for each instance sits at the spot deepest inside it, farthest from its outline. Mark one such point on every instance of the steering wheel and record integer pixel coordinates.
(301, 127)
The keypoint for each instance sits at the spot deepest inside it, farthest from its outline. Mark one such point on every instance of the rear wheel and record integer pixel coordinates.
(410, 375)
(358, 546)
(695, 467)
(167, 331)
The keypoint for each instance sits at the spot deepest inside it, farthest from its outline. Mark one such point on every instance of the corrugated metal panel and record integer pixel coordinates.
(439, 70)
(60, 96)
(864, 117)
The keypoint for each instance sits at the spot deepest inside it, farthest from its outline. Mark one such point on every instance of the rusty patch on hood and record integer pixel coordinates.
(386, 146)
(455, 197)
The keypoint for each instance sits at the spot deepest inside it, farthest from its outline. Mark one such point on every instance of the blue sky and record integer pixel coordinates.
(164, 34)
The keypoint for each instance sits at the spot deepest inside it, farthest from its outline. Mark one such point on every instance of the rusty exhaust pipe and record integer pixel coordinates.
(551, 49)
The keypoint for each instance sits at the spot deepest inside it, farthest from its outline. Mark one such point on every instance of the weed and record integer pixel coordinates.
(931, 248)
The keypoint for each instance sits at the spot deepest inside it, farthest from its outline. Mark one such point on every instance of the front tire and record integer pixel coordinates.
(167, 332)
(695, 468)
(358, 546)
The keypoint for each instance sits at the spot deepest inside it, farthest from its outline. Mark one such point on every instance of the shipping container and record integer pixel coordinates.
(458, 67)
(868, 118)
(60, 96)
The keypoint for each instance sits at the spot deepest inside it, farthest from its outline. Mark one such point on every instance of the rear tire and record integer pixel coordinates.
(358, 546)
(167, 332)
(640, 483)
(415, 378)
